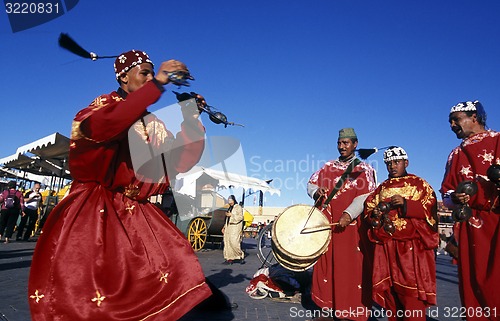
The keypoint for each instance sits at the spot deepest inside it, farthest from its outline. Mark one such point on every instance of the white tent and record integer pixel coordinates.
(54, 146)
(44, 160)
(49, 157)
(4, 172)
(186, 182)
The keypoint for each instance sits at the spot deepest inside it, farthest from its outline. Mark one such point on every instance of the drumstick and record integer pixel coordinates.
(321, 228)
(317, 228)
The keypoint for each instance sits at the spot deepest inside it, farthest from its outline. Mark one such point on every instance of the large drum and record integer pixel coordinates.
(293, 248)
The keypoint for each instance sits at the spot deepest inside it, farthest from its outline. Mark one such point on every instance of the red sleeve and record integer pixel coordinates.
(450, 180)
(109, 115)
(370, 203)
(188, 146)
(425, 206)
(423, 215)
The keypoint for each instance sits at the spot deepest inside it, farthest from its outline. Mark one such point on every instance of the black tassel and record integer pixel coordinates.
(364, 153)
(67, 43)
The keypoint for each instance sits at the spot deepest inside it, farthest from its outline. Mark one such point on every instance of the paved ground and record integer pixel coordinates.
(15, 259)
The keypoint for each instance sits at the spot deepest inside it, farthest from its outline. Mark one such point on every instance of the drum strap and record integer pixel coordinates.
(340, 182)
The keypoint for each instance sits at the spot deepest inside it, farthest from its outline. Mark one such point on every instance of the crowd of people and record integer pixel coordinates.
(385, 237)
(21, 209)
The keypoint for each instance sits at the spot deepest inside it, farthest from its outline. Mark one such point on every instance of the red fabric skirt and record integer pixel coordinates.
(406, 268)
(338, 282)
(103, 256)
(479, 267)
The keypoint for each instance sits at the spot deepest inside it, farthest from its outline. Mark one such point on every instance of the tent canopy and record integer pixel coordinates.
(4, 172)
(49, 157)
(187, 181)
(54, 146)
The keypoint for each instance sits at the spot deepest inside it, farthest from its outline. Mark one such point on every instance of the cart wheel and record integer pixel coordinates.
(264, 248)
(197, 233)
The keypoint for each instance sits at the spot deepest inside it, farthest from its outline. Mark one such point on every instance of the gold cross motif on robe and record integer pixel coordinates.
(99, 298)
(37, 296)
(164, 277)
(130, 208)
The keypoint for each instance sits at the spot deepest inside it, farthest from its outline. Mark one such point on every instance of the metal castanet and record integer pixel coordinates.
(464, 212)
(215, 116)
(493, 174)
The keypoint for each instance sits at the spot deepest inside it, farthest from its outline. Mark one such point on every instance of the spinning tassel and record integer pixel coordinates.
(66, 42)
(364, 153)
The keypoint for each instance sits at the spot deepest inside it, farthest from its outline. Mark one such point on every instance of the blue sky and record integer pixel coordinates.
(294, 72)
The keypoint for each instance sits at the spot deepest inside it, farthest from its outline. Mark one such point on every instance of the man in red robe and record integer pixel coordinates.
(478, 237)
(403, 214)
(338, 282)
(106, 252)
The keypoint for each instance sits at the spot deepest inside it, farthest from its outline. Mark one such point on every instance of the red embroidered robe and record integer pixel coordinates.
(106, 252)
(479, 237)
(405, 261)
(338, 280)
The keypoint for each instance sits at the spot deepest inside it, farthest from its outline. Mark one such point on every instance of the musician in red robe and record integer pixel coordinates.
(338, 281)
(106, 252)
(478, 237)
(403, 214)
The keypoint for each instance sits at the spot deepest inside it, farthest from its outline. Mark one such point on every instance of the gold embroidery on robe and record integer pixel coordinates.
(154, 130)
(37, 296)
(77, 134)
(408, 192)
(98, 103)
(132, 191)
(99, 298)
(400, 223)
(164, 277)
(75, 130)
(130, 208)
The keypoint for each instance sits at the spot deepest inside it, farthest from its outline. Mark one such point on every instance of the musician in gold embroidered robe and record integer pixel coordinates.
(403, 214)
(106, 252)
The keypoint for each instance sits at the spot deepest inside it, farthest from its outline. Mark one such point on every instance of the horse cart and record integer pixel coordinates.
(200, 218)
(198, 209)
